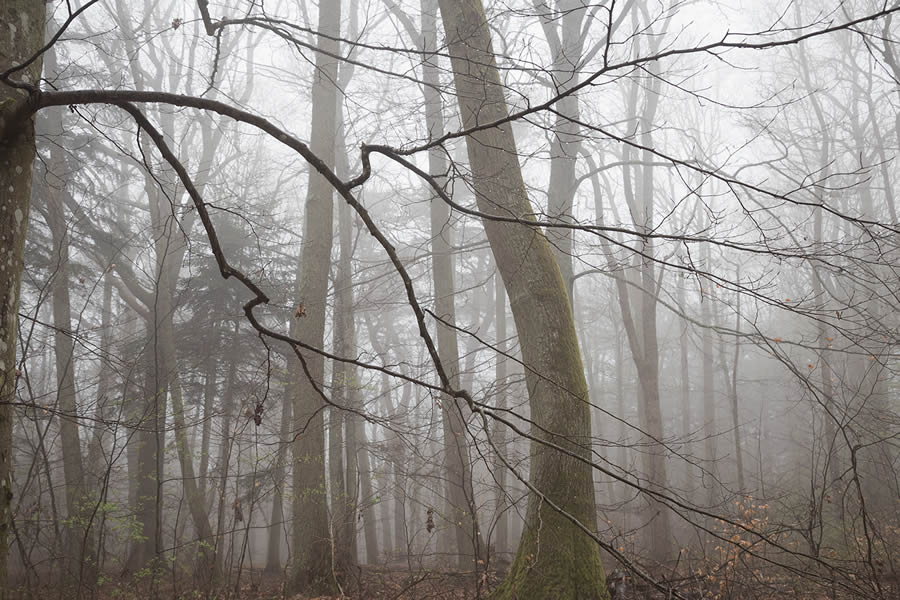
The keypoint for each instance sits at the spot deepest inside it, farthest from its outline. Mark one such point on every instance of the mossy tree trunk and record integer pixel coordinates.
(556, 559)
(17, 152)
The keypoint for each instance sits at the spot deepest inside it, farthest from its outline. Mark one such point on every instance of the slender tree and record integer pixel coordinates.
(312, 557)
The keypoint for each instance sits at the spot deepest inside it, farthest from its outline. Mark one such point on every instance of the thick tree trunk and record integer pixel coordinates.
(312, 557)
(17, 152)
(556, 559)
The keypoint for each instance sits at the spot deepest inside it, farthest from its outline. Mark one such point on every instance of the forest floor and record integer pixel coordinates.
(400, 583)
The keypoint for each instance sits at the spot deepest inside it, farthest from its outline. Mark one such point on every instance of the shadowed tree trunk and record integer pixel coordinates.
(17, 152)
(555, 559)
(311, 569)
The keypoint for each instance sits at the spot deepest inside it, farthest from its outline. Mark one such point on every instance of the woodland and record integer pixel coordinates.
(433, 299)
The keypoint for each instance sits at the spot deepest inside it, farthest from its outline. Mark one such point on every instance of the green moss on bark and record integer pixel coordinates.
(556, 560)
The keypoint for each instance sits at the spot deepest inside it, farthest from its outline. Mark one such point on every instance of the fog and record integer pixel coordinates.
(514, 299)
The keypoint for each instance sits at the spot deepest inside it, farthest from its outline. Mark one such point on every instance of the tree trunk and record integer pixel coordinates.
(147, 416)
(709, 398)
(500, 503)
(456, 455)
(17, 152)
(342, 453)
(733, 397)
(206, 564)
(367, 495)
(556, 559)
(80, 552)
(96, 465)
(686, 427)
(642, 333)
(225, 447)
(209, 397)
(566, 41)
(273, 551)
(312, 558)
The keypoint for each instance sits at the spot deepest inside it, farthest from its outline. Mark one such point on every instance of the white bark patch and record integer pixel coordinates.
(19, 217)
(18, 170)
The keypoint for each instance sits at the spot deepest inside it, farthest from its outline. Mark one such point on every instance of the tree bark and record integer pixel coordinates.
(312, 558)
(17, 151)
(556, 559)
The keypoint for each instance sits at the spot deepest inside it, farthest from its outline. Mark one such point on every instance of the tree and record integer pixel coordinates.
(20, 69)
(808, 215)
(312, 563)
(556, 558)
